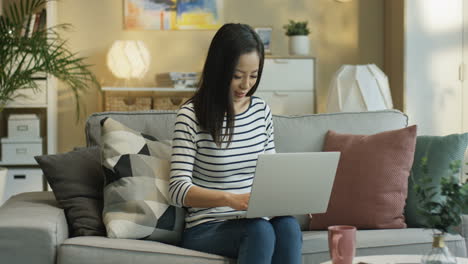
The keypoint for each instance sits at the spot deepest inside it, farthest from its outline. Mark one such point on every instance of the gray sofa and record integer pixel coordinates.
(33, 228)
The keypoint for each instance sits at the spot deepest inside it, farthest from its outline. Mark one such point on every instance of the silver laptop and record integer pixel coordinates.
(292, 183)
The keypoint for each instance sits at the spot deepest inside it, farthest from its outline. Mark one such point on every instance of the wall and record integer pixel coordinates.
(394, 22)
(341, 33)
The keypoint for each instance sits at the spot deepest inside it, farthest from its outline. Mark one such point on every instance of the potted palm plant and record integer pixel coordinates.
(42, 51)
(442, 214)
(298, 37)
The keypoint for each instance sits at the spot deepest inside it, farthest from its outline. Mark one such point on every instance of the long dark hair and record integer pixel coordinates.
(213, 99)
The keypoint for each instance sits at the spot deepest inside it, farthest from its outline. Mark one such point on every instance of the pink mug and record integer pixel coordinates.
(342, 243)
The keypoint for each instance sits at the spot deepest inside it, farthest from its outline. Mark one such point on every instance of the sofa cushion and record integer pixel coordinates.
(77, 180)
(98, 250)
(371, 181)
(440, 151)
(136, 169)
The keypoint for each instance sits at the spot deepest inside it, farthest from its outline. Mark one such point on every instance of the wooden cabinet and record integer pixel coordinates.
(288, 85)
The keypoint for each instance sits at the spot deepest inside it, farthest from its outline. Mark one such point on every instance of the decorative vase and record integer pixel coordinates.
(299, 45)
(439, 253)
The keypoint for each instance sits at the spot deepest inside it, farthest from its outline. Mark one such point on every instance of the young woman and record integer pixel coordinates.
(217, 138)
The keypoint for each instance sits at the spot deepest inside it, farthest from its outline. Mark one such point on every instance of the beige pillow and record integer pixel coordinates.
(371, 182)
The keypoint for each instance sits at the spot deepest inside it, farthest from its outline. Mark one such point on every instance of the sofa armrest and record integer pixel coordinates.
(32, 226)
(464, 229)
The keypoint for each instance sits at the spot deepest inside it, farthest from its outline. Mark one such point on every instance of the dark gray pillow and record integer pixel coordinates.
(77, 181)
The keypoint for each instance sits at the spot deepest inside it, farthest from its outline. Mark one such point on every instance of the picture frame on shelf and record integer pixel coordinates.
(265, 35)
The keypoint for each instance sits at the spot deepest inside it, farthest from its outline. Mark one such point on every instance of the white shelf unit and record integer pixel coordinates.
(27, 176)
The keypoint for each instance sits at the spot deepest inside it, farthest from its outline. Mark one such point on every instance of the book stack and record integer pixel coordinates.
(184, 79)
(178, 79)
(164, 80)
(35, 22)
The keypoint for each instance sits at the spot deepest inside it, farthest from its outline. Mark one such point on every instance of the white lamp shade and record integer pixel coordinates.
(356, 88)
(128, 59)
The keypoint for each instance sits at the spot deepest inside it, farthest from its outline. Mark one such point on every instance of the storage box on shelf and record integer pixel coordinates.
(135, 99)
(23, 126)
(22, 179)
(127, 103)
(21, 150)
(169, 102)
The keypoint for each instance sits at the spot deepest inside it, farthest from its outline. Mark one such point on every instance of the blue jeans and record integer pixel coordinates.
(249, 240)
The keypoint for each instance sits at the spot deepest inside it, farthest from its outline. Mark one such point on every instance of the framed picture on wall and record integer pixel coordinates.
(173, 14)
(265, 36)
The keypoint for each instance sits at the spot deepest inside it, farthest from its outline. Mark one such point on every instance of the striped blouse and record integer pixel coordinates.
(196, 160)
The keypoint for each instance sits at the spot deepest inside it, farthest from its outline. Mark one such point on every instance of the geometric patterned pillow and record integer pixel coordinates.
(136, 202)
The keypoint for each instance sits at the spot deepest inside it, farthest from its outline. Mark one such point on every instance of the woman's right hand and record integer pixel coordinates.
(239, 201)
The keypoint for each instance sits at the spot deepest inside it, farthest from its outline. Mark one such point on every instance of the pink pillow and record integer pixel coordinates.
(371, 181)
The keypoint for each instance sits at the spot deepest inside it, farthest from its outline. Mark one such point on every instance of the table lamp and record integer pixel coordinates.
(357, 88)
(128, 59)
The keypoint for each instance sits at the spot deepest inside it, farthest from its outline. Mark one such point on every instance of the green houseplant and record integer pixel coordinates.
(42, 51)
(297, 32)
(298, 28)
(443, 214)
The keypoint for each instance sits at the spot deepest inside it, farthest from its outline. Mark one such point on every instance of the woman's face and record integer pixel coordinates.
(245, 76)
